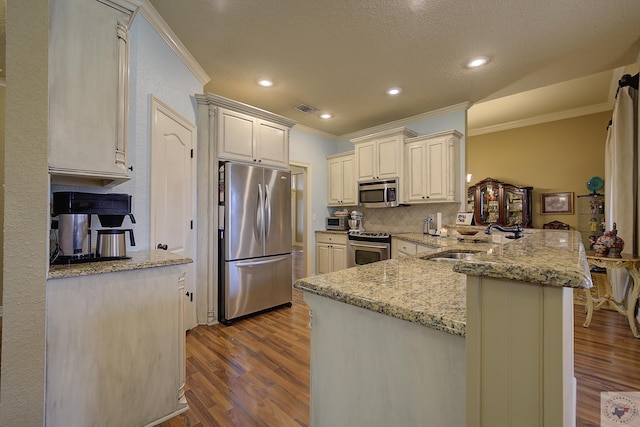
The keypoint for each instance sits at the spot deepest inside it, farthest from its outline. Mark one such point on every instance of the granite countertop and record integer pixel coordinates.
(433, 294)
(139, 260)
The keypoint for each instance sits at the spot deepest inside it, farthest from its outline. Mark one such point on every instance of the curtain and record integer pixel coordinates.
(621, 176)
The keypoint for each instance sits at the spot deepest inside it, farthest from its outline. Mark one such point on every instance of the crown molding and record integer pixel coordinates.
(212, 99)
(544, 118)
(463, 106)
(153, 17)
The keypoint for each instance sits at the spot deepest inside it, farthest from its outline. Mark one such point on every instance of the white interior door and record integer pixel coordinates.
(172, 192)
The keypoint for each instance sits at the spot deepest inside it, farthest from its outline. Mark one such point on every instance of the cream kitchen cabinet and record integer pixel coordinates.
(379, 156)
(342, 186)
(401, 248)
(432, 167)
(88, 90)
(248, 134)
(331, 252)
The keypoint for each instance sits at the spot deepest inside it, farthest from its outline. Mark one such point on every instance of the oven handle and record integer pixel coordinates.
(360, 245)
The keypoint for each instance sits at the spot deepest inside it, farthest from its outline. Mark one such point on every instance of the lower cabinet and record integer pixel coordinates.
(401, 248)
(331, 252)
(115, 348)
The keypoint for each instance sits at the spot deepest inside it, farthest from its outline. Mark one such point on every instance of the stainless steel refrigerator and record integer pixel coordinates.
(255, 243)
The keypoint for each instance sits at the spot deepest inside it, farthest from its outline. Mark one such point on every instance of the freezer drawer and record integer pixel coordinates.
(253, 285)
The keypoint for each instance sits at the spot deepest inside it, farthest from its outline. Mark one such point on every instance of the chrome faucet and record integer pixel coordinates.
(516, 229)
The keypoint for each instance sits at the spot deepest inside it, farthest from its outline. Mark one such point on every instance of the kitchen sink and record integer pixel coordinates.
(449, 257)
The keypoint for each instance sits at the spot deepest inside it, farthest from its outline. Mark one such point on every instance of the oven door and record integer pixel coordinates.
(361, 253)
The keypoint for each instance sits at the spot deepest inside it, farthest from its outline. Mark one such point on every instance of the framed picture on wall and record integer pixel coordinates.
(556, 203)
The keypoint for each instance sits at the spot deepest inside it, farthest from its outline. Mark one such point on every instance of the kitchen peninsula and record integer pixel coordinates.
(115, 341)
(481, 342)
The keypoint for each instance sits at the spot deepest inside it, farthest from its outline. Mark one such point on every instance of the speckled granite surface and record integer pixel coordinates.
(433, 294)
(142, 259)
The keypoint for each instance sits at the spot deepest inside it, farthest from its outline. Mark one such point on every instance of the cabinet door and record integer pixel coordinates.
(342, 185)
(323, 258)
(87, 116)
(349, 183)
(366, 158)
(437, 170)
(514, 203)
(389, 154)
(236, 137)
(339, 257)
(272, 144)
(335, 184)
(416, 172)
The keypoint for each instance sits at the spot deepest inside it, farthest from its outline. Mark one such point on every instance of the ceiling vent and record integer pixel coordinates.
(306, 108)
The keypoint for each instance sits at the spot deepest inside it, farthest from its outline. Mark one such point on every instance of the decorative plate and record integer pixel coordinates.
(595, 183)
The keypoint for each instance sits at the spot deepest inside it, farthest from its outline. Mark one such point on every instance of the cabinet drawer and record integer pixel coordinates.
(425, 248)
(331, 238)
(407, 248)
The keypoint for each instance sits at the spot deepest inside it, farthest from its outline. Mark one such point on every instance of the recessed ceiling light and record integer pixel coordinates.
(326, 115)
(394, 91)
(265, 83)
(478, 62)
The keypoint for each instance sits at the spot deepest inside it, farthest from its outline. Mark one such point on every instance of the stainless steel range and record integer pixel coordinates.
(365, 247)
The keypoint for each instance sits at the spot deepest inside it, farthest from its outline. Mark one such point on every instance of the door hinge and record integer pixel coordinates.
(191, 224)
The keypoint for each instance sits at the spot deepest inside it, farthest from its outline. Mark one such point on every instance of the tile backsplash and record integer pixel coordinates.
(407, 219)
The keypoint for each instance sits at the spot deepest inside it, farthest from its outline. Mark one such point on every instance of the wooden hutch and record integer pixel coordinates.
(496, 202)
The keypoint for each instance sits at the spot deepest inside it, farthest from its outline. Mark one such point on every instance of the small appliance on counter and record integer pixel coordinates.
(73, 241)
(338, 222)
(432, 224)
(355, 223)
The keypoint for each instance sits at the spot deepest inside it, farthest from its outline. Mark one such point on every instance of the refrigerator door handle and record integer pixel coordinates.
(267, 221)
(257, 263)
(259, 216)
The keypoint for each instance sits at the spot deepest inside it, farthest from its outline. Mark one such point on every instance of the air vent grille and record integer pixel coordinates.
(306, 108)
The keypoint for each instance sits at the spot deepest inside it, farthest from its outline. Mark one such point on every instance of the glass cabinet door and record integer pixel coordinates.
(489, 204)
(514, 203)
(471, 201)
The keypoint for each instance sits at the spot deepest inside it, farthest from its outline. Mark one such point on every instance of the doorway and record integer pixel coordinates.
(300, 199)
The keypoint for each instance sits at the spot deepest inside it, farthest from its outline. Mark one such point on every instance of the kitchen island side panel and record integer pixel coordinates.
(369, 369)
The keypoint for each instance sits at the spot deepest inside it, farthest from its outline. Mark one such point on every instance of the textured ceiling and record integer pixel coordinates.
(341, 55)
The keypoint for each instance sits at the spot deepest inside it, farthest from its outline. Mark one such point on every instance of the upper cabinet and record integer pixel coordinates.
(493, 201)
(248, 134)
(88, 90)
(342, 185)
(432, 170)
(379, 156)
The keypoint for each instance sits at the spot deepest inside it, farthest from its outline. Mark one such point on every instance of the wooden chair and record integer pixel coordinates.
(556, 225)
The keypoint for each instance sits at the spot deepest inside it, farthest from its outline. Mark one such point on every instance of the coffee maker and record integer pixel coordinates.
(74, 211)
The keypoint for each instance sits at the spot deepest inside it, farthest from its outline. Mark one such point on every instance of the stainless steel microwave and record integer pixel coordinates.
(337, 223)
(378, 194)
